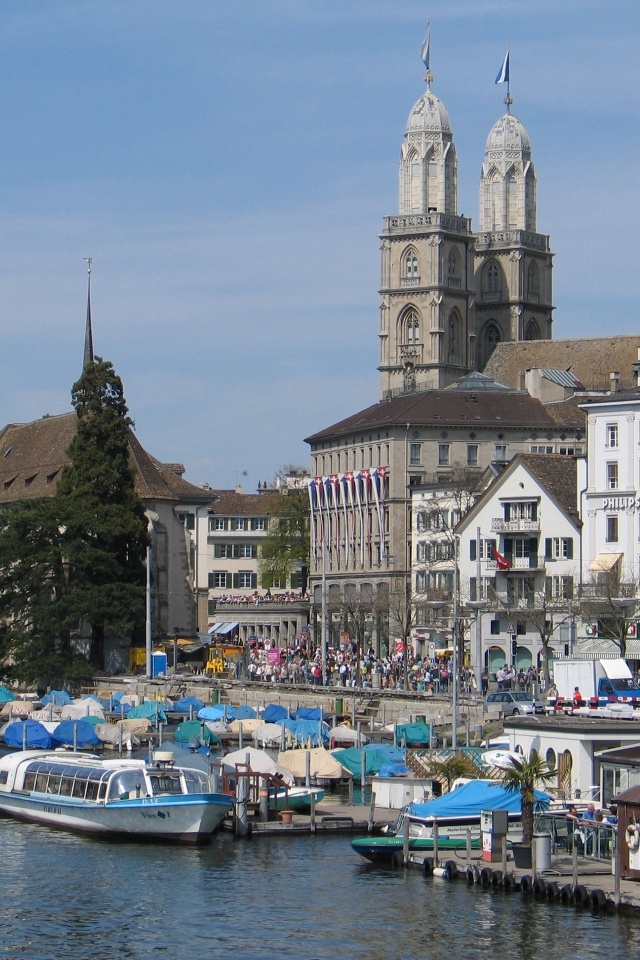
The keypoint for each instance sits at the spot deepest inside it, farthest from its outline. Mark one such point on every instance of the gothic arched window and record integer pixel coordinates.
(410, 264)
(410, 326)
(491, 337)
(454, 268)
(492, 279)
(454, 334)
(532, 331)
(533, 281)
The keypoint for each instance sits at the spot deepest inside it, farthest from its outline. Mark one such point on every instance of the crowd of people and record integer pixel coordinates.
(256, 599)
(299, 663)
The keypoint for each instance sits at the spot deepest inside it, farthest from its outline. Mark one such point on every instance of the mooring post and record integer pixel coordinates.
(405, 840)
(435, 842)
(372, 811)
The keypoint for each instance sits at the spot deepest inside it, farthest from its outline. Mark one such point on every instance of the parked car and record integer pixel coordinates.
(512, 702)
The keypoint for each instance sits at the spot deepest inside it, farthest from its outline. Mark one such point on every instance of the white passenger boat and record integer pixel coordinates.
(126, 799)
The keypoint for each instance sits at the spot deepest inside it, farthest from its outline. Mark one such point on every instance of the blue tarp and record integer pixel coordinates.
(394, 770)
(305, 731)
(59, 698)
(148, 710)
(308, 713)
(376, 756)
(413, 733)
(6, 696)
(473, 797)
(218, 711)
(194, 730)
(37, 736)
(274, 713)
(245, 713)
(76, 731)
(188, 703)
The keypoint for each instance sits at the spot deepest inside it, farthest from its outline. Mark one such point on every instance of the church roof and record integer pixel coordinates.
(507, 135)
(591, 360)
(429, 113)
(32, 456)
(434, 408)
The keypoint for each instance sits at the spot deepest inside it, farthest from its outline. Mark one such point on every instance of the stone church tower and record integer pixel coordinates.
(427, 328)
(513, 263)
(447, 295)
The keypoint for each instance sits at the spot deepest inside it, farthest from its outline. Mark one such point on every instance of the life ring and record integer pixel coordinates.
(632, 837)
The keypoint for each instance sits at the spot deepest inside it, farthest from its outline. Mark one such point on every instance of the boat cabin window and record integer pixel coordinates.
(196, 782)
(81, 783)
(165, 782)
(127, 785)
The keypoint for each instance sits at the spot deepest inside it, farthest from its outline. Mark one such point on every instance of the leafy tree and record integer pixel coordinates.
(286, 546)
(523, 776)
(105, 528)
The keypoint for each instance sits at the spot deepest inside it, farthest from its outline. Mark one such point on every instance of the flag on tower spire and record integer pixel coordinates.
(425, 52)
(88, 334)
(503, 73)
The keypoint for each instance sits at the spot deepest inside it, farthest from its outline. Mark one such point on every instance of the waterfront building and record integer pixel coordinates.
(32, 457)
(610, 506)
(236, 597)
(519, 550)
(433, 436)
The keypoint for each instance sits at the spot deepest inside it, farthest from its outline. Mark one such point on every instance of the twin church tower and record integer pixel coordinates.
(450, 295)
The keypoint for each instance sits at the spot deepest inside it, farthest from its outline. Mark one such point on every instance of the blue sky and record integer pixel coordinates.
(228, 167)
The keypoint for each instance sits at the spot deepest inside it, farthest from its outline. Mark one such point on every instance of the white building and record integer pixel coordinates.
(519, 551)
(610, 507)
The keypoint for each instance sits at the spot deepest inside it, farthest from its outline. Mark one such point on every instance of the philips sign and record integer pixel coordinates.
(621, 503)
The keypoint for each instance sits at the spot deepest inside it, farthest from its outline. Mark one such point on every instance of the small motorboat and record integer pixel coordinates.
(120, 798)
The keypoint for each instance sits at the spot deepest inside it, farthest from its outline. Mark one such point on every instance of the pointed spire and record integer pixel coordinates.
(88, 335)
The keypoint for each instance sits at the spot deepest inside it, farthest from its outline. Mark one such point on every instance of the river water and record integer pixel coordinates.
(69, 898)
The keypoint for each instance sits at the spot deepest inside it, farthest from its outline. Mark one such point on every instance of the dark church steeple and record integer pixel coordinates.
(88, 335)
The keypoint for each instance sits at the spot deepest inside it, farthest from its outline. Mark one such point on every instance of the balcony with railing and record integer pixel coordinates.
(518, 564)
(521, 525)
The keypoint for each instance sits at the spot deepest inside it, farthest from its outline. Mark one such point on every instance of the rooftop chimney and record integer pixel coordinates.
(614, 379)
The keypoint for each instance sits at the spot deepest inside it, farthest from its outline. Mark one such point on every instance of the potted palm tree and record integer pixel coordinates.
(522, 777)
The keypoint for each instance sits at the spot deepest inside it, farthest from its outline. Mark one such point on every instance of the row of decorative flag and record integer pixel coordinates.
(425, 53)
(348, 515)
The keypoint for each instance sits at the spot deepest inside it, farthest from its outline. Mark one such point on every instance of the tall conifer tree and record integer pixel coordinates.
(105, 528)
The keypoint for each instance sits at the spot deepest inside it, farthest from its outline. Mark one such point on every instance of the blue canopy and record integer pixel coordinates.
(6, 695)
(27, 733)
(76, 731)
(59, 698)
(185, 704)
(274, 712)
(376, 756)
(394, 770)
(473, 797)
(148, 710)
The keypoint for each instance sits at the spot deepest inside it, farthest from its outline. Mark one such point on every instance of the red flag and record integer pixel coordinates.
(503, 563)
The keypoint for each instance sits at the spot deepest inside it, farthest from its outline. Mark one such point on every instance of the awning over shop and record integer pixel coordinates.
(605, 562)
(223, 628)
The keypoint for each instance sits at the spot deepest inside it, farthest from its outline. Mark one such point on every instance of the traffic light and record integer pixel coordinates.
(514, 645)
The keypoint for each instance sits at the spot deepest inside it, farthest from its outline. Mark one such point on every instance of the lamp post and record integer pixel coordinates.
(176, 631)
